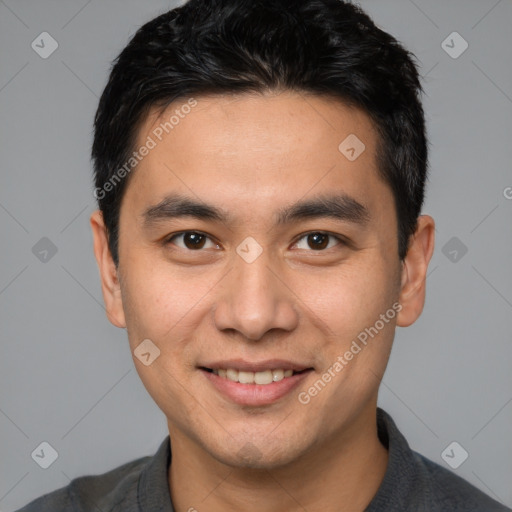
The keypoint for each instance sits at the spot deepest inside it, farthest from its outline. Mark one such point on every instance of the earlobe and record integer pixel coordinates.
(414, 271)
(108, 272)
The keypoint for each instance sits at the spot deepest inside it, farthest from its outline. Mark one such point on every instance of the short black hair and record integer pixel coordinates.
(326, 47)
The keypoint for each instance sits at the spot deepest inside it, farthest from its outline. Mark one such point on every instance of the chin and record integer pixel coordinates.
(263, 454)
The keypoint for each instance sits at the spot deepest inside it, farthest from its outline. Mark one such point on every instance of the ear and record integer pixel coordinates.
(414, 271)
(108, 271)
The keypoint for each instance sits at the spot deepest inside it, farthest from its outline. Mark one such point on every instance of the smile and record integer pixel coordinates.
(254, 388)
(263, 378)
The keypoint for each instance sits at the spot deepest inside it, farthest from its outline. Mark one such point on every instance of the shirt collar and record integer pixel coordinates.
(402, 473)
(153, 490)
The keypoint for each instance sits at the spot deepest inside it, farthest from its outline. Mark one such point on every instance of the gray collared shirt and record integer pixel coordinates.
(411, 483)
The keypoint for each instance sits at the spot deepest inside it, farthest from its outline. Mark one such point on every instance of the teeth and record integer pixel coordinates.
(265, 377)
(246, 377)
(232, 374)
(261, 378)
(277, 375)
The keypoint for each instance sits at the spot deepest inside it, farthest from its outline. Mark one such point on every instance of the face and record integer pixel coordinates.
(287, 259)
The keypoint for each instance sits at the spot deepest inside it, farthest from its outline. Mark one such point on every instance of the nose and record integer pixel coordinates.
(254, 299)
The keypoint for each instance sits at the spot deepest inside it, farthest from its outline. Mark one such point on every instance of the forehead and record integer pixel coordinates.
(252, 147)
(293, 117)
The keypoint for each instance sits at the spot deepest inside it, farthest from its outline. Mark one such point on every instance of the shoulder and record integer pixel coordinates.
(105, 492)
(414, 482)
(448, 491)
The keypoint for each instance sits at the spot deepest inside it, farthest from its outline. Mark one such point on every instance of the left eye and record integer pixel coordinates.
(318, 241)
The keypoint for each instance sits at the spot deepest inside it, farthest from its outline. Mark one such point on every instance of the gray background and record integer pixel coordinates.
(67, 376)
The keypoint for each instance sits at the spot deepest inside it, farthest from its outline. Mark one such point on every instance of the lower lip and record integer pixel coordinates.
(255, 394)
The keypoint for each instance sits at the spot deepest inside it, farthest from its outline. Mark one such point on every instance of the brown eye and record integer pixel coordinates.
(194, 240)
(191, 240)
(318, 241)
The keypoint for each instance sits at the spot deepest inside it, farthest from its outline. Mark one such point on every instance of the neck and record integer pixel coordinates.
(342, 474)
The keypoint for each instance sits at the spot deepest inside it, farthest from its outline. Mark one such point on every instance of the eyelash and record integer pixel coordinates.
(339, 239)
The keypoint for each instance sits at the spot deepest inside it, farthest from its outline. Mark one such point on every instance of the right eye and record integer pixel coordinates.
(190, 240)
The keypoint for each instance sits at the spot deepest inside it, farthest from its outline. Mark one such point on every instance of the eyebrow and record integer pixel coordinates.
(336, 206)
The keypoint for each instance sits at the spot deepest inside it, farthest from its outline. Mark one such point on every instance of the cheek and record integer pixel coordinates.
(350, 303)
(162, 302)
(351, 297)
(164, 306)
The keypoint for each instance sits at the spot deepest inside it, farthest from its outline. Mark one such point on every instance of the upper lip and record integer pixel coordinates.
(255, 366)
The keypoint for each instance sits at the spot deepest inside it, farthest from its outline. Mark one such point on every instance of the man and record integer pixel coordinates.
(260, 171)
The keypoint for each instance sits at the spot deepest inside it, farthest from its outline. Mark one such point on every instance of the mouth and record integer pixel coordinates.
(255, 384)
(260, 378)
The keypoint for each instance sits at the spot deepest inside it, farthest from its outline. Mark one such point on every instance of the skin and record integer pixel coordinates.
(251, 155)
